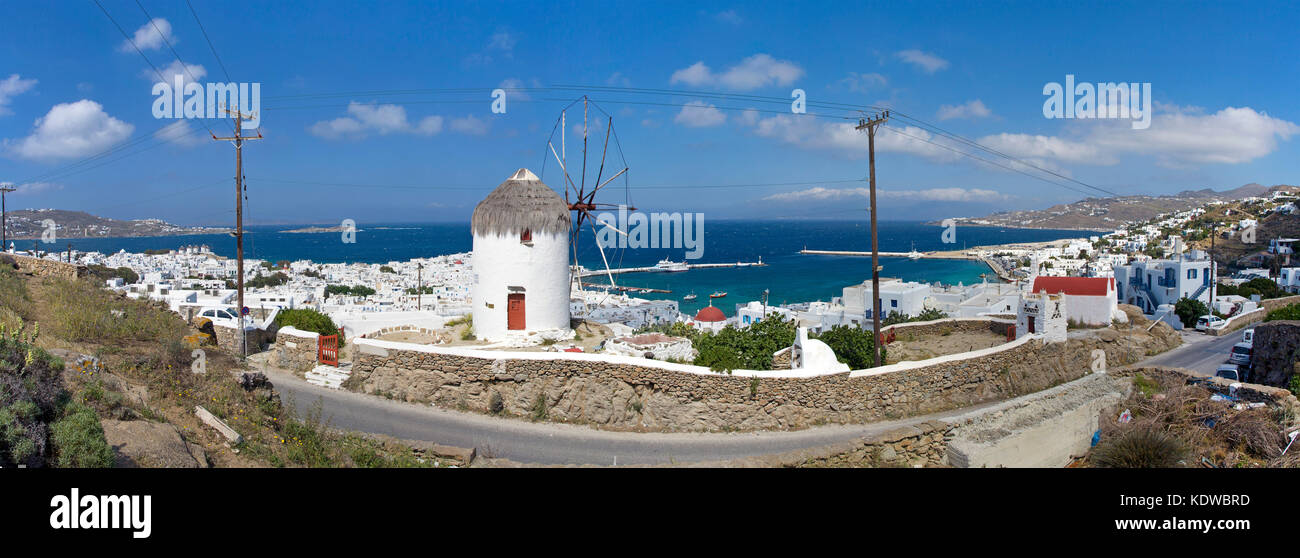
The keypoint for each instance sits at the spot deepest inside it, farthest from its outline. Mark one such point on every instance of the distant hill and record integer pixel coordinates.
(1103, 214)
(28, 224)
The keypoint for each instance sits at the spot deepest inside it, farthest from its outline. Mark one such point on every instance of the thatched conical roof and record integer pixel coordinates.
(521, 202)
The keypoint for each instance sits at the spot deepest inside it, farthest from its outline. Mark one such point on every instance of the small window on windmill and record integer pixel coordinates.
(526, 237)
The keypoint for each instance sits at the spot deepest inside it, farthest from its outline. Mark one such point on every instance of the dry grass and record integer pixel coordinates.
(1181, 420)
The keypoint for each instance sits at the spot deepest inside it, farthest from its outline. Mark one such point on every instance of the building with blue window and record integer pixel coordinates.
(1152, 283)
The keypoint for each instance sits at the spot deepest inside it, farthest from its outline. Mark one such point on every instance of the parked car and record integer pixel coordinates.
(224, 317)
(1208, 322)
(1228, 372)
(1248, 337)
(1240, 355)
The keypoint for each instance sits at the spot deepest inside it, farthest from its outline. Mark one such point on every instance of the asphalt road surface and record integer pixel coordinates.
(549, 443)
(1199, 352)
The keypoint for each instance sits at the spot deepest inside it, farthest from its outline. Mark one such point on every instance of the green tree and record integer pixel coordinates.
(307, 319)
(1189, 309)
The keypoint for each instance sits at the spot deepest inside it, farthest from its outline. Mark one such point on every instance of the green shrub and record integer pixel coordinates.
(748, 348)
(853, 346)
(79, 440)
(307, 319)
(1189, 309)
(1289, 312)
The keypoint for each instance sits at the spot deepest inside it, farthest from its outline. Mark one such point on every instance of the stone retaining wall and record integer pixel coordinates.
(640, 394)
(949, 326)
(228, 339)
(47, 268)
(295, 349)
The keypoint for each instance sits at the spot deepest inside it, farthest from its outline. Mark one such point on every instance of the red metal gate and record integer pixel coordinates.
(327, 350)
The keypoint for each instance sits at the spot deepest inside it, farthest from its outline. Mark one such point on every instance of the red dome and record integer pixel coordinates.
(710, 314)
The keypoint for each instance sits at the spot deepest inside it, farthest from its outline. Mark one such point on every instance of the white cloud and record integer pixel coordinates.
(189, 73)
(697, 114)
(862, 83)
(32, 187)
(501, 43)
(969, 109)
(1179, 138)
(470, 125)
(181, 133)
(730, 17)
(11, 87)
(649, 123)
(513, 87)
(150, 36)
(927, 62)
(363, 119)
(756, 71)
(72, 130)
(820, 193)
(617, 79)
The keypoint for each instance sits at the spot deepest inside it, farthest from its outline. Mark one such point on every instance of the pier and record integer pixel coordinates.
(618, 271)
(950, 255)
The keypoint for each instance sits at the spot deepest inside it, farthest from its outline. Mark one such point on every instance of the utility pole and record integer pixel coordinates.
(4, 220)
(238, 139)
(869, 125)
(419, 286)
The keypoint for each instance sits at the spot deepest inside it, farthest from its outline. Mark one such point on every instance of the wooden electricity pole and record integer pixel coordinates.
(4, 220)
(238, 139)
(419, 286)
(869, 125)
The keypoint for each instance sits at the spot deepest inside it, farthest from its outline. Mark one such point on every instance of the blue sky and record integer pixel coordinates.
(1223, 75)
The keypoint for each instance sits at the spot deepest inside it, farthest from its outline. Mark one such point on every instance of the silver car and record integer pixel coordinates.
(1240, 355)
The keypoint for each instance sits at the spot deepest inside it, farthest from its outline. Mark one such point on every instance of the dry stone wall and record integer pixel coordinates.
(623, 395)
(295, 349)
(48, 268)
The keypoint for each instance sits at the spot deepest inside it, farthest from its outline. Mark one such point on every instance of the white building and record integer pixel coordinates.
(521, 260)
(1149, 284)
(1289, 279)
(1043, 314)
(1088, 300)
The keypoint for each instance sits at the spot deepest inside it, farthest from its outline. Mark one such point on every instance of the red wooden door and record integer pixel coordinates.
(1031, 324)
(327, 350)
(515, 311)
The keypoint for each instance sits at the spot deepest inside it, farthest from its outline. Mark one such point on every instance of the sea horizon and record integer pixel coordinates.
(788, 276)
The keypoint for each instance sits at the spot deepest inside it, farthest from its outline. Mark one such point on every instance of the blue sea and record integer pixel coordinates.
(788, 275)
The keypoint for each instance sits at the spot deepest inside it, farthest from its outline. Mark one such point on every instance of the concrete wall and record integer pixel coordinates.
(1045, 429)
(1265, 306)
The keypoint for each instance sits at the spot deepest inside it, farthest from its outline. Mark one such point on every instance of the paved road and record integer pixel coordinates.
(549, 443)
(1199, 352)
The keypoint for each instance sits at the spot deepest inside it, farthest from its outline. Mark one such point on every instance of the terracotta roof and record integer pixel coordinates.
(1077, 286)
(710, 314)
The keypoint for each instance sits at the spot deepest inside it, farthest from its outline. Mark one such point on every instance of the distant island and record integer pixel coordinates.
(1107, 214)
(32, 223)
(335, 228)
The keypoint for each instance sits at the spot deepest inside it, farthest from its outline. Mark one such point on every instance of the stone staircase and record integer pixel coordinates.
(329, 376)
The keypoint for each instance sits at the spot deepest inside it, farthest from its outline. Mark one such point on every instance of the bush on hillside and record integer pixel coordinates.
(748, 348)
(852, 345)
(307, 319)
(1289, 312)
(1139, 446)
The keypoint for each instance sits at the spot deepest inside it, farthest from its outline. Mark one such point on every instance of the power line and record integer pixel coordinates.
(209, 40)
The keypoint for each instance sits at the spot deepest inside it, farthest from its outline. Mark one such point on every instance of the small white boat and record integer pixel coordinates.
(690, 297)
(914, 255)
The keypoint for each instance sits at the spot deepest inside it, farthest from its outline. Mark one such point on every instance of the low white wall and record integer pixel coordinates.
(356, 324)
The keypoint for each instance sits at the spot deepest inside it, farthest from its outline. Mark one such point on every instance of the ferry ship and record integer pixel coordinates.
(914, 255)
(672, 266)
